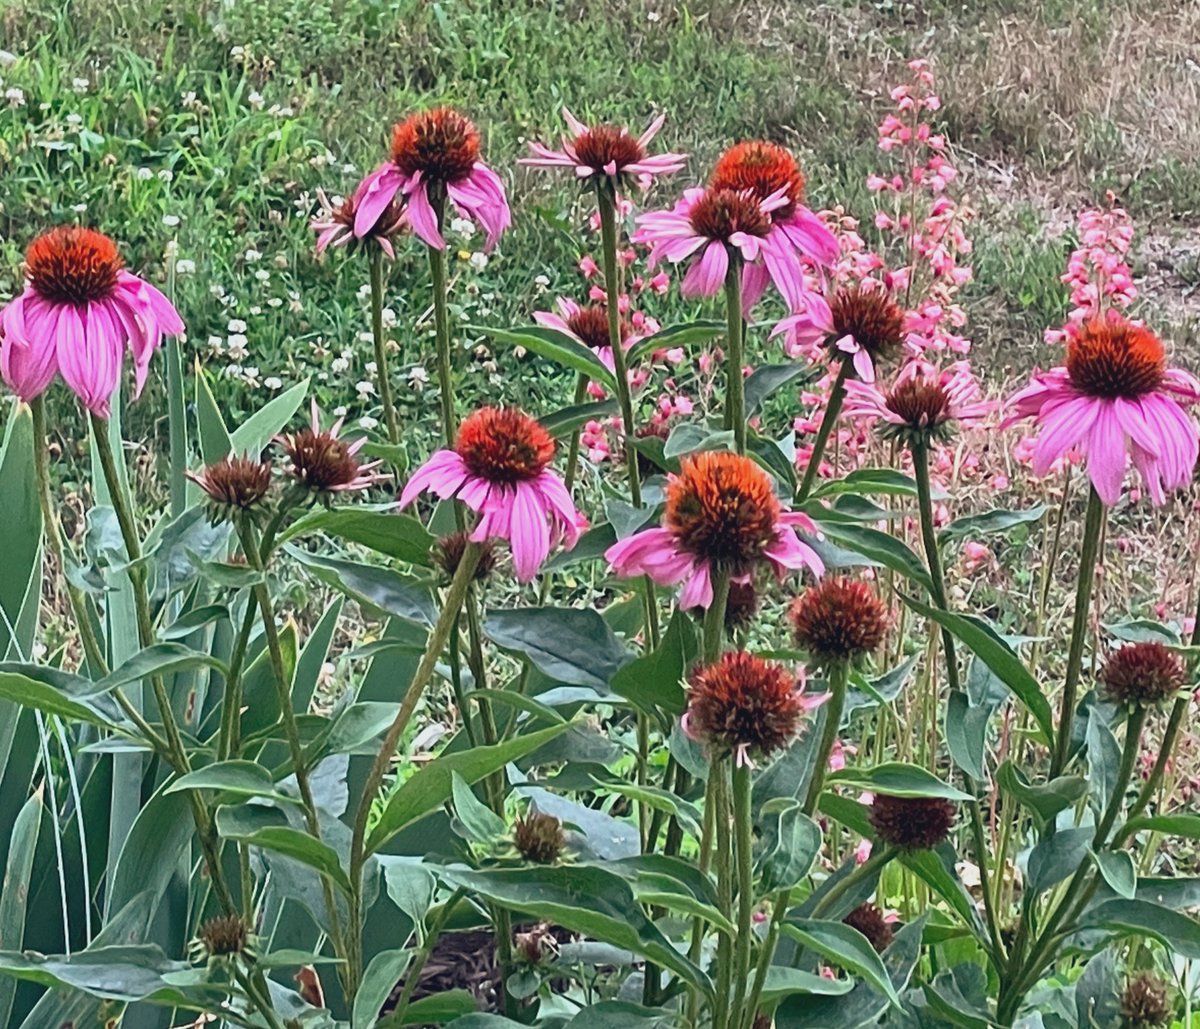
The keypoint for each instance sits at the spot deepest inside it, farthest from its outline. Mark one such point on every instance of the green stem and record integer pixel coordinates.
(228, 742)
(412, 974)
(581, 384)
(839, 676)
(1089, 550)
(456, 595)
(381, 355)
(880, 856)
(735, 396)
(257, 998)
(743, 832)
(714, 618)
(722, 849)
(441, 320)
(1179, 711)
(836, 396)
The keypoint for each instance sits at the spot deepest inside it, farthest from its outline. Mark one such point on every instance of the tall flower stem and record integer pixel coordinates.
(439, 275)
(933, 559)
(839, 676)
(174, 751)
(581, 383)
(287, 714)
(723, 850)
(880, 856)
(381, 356)
(743, 833)
(735, 396)
(836, 397)
(1093, 527)
(439, 635)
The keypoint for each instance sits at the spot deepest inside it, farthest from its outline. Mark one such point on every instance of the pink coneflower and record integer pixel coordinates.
(1115, 399)
(76, 316)
(607, 152)
(334, 226)
(721, 515)
(435, 157)
(499, 468)
(707, 224)
(587, 324)
(322, 462)
(764, 168)
(921, 404)
(861, 323)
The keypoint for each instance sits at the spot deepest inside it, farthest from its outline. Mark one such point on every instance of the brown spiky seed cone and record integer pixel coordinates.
(838, 620)
(869, 921)
(448, 552)
(539, 838)
(1143, 673)
(912, 823)
(1144, 1003)
(224, 935)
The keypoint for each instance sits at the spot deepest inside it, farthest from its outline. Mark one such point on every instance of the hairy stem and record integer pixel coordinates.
(735, 395)
(836, 396)
(381, 355)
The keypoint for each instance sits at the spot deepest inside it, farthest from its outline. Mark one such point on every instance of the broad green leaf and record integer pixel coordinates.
(880, 547)
(385, 970)
(21, 528)
(1057, 857)
(691, 437)
(1187, 826)
(224, 574)
(214, 436)
(381, 589)
(1003, 661)
(1104, 760)
(1116, 866)
(394, 535)
(121, 973)
(591, 547)
(160, 659)
(845, 947)
(480, 821)
(791, 843)
(1143, 630)
(240, 778)
(252, 436)
(566, 420)
(191, 621)
(1045, 800)
(966, 733)
(897, 779)
(289, 842)
(584, 899)
(434, 1010)
(1178, 932)
(769, 378)
(872, 481)
(787, 982)
(58, 693)
(554, 346)
(937, 869)
(990, 522)
(688, 334)
(1098, 993)
(654, 682)
(569, 645)
(410, 884)
(433, 785)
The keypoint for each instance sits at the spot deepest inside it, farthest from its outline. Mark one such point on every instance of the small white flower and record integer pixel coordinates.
(145, 174)
(364, 388)
(519, 352)
(74, 119)
(237, 52)
(370, 367)
(340, 411)
(216, 344)
(79, 208)
(80, 85)
(365, 337)
(295, 306)
(418, 376)
(273, 382)
(251, 255)
(255, 310)
(263, 275)
(185, 267)
(170, 220)
(338, 365)
(368, 423)
(364, 291)
(255, 100)
(463, 227)
(171, 250)
(274, 302)
(236, 325)
(542, 280)
(238, 349)
(165, 175)
(280, 261)
(389, 318)
(15, 96)
(479, 260)
(233, 371)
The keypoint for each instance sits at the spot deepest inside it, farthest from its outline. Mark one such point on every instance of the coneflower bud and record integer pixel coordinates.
(838, 620)
(1144, 1003)
(234, 485)
(742, 704)
(448, 552)
(539, 838)
(869, 921)
(1143, 674)
(221, 937)
(912, 823)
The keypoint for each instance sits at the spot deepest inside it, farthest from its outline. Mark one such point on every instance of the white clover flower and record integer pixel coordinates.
(171, 250)
(233, 371)
(295, 306)
(478, 260)
(389, 318)
(80, 85)
(462, 227)
(216, 344)
(251, 255)
(255, 310)
(370, 367)
(364, 388)
(144, 174)
(273, 382)
(542, 280)
(338, 365)
(365, 337)
(185, 267)
(364, 291)
(339, 411)
(280, 261)
(254, 98)
(79, 208)
(274, 302)
(236, 325)
(74, 119)
(166, 175)
(15, 96)
(368, 423)
(263, 275)
(170, 220)
(418, 376)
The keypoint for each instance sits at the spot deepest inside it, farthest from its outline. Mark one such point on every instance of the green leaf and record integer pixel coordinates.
(937, 869)
(561, 423)
(121, 973)
(193, 620)
(240, 778)
(1143, 630)
(1046, 800)
(897, 779)
(1104, 760)
(433, 785)
(966, 733)
(380, 589)
(292, 843)
(880, 547)
(1003, 661)
(480, 821)
(787, 982)
(21, 528)
(252, 436)
(1097, 993)
(584, 899)
(434, 1010)
(845, 947)
(394, 535)
(161, 659)
(791, 843)
(215, 442)
(385, 970)
(769, 378)
(1178, 932)
(14, 898)
(1116, 866)
(1057, 857)
(690, 438)
(591, 547)
(569, 645)
(873, 481)
(990, 522)
(225, 575)
(688, 334)
(554, 346)
(1187, 826)
(654, 682)
(57, 693)
(410, 884)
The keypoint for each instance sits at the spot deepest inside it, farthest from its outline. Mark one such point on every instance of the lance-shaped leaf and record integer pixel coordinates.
(555, 346)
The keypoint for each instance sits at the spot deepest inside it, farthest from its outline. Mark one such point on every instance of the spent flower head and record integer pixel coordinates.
(1143, 674)
(838, 620)
(912, 823)
(235, 485)
(872, 923)
(323, 463)
(539, 837)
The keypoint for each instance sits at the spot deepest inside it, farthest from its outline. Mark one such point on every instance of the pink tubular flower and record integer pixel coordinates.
(434, 158)
(76, 316)
(498, 468)
(334, 226)
(710, 223)
(1115, 399)
(607, 152)
(922, 402)
(721, 516)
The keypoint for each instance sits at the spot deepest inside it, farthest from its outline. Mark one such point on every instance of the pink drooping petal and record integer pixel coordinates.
(422, 217)
(529, 537)
(28, 360)
(1065, 422)
(1107, 455)
(652, 552)
(698, 588)
(812, 236)
(787, 551)
(373, 195)
(559, 506)
(707, 275)
(444, 474)
(755, 278)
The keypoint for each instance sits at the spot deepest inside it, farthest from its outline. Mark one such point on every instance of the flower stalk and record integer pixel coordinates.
(837, 396)
(381, 354)
(735, 397)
